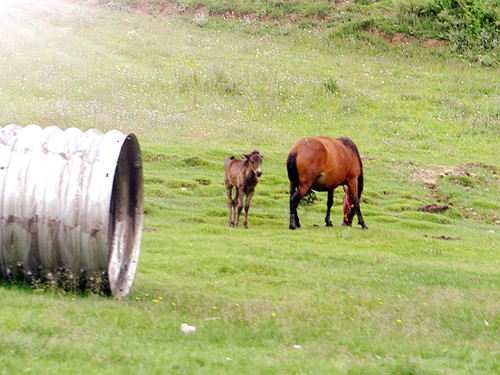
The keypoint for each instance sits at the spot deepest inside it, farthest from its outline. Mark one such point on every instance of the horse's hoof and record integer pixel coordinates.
(293, 227)
(364, 227)
(329, 225)
(346, 224)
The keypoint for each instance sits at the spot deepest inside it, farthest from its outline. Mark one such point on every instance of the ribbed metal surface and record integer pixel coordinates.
(72, 204)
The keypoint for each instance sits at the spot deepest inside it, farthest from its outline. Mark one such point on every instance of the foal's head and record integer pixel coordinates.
(254, 160)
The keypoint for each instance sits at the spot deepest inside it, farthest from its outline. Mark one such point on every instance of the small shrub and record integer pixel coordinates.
(330, 85)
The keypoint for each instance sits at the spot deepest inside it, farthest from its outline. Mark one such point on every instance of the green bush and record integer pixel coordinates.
(330, 85)
(469, 26)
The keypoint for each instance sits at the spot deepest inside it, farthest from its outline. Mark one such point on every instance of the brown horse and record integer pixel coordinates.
(322, 164)
(243, 175)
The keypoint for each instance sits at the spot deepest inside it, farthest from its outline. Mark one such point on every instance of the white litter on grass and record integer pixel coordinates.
(298, 347)
(186, 328)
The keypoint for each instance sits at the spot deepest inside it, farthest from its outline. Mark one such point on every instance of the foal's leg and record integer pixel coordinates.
(229, 192)
(238, 200)
(235, 205)
(353, 191)
(247, 207)
(329, 204)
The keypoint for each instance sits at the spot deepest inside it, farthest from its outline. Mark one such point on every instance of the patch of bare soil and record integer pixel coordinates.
(401, 38)
(433, 208)
(168, 9)
(433, 43)
(429, 175)
(373, 30)
(140, 8)
(164, 9)
(423, 174)
(482, 165)
(250, 18)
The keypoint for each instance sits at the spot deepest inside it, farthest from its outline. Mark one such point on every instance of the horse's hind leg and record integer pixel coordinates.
(353, 191)
(329, 204)
(295, 198)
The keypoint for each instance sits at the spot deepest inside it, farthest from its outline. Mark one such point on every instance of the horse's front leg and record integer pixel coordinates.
(247, 207)
(329, 204)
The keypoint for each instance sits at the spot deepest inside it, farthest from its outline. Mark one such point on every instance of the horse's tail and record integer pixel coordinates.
(293, 172)
(360, 180)
(350, 143)
(228, 161)
(293, 176)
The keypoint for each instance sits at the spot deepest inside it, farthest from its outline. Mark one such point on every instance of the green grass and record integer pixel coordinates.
(418, 293)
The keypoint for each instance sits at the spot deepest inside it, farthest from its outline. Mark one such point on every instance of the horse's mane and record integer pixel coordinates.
(349, 143)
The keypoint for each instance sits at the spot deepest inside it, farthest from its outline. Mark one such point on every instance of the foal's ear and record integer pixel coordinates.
(346, 189)
(247, 156)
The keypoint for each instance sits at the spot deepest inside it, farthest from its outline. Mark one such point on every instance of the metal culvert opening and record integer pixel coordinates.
(71, 208)
(126, 218)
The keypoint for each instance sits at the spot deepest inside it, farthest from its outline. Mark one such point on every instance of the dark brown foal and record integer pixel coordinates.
(243, 175)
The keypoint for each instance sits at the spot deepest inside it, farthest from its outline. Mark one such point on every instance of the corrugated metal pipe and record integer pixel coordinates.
(71, 207)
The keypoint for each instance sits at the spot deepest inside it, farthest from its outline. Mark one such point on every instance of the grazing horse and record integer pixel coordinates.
(322, 164)
(243, 175)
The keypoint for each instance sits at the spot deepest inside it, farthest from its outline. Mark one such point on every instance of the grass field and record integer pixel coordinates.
(418, 293)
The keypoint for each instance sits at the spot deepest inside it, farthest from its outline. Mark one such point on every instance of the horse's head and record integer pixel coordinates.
(255, 161)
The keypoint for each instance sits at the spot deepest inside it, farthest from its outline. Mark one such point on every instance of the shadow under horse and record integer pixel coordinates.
(322, 164)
